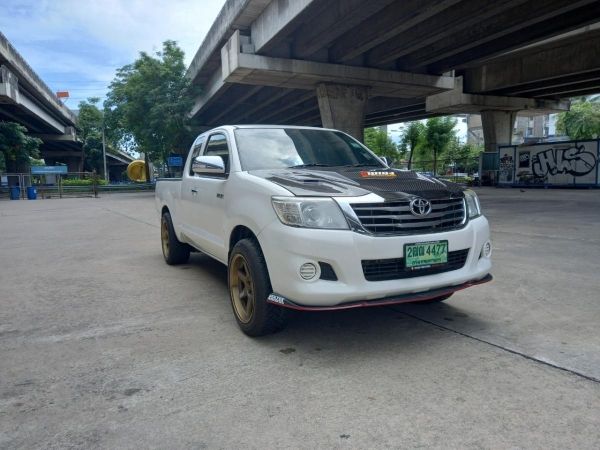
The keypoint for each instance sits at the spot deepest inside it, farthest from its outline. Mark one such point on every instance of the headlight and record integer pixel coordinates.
(473, 207)
(309, 212)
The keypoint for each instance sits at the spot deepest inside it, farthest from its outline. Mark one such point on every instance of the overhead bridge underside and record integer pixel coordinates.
(263, 61)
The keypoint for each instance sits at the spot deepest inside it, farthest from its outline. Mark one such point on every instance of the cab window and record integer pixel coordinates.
(217, 146)
(196, 147)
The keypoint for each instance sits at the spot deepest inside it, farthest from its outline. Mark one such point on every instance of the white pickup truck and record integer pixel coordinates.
(310, 219)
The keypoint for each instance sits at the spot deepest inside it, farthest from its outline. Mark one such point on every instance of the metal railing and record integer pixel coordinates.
(71, 184)
(462, 171)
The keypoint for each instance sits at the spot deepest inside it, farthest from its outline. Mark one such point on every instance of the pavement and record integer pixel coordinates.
(102, 345)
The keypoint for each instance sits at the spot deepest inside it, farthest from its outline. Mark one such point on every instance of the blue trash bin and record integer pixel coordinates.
(15, 192)
(31, 193)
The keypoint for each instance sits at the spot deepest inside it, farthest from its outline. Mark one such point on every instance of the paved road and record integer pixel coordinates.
(104, 346)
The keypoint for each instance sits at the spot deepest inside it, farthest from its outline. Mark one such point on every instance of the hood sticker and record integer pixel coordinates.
(377, 174)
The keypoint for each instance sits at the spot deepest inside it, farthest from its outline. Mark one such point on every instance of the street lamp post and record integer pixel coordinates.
(104, 154)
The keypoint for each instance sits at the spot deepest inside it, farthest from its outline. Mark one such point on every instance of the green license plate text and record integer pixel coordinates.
(425, 254)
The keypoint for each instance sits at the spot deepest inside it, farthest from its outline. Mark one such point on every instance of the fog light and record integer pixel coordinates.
(308, 271)
(487, 249)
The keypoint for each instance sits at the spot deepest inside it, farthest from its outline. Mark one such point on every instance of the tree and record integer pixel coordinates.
(412, 139)
(90, 123)
(439, 132)
(148, 104)
(462, 156)
(17, 147)
(379, 141)
(582, 121)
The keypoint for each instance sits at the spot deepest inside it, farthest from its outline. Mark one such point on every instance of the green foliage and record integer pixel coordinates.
(17, 147)
(84, 182)
(148, 104)
(90, 123)
(35, 162)
(439, 132)
(464, 157)
(461, 180)
(412, 140)
(2, 163)
(582, 121)
(378, 141)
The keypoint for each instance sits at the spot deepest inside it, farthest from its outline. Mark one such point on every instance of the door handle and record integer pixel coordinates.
(194, 191)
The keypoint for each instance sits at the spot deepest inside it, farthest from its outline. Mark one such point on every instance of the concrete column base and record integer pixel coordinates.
(497, 128)
(343, 107)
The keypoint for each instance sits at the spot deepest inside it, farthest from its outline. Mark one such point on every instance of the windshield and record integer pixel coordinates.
(278, 148)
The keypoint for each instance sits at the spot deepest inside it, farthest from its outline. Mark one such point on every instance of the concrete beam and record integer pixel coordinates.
(70, 137)
(235, 14)
(331, 20)
(38, 110)
(465, 15)
(398, 17)
(237, 104)
(262, 101)
(253, 69)
(520, 72)
(536, 21)
(286, 104)
(456, 101)
(275, 19)
(33, 83)
(213, 89)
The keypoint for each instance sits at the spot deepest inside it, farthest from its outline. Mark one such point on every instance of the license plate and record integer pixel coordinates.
(425, 254)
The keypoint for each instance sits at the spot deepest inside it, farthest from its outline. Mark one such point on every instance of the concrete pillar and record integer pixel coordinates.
(497, 128)
(343, 107)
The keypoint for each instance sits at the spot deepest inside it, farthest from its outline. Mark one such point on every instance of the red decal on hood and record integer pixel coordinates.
(377, 174)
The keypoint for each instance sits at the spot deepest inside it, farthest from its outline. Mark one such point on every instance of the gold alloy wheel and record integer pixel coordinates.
(241, 287)
(164, 237)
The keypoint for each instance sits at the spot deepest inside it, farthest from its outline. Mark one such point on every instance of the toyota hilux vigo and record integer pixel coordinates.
(310, 219)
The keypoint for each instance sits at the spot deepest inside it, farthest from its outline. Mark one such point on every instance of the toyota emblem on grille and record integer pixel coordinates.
(420, 207)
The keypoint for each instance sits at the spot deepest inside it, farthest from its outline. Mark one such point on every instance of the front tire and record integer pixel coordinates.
(249, 287)
(174, 251)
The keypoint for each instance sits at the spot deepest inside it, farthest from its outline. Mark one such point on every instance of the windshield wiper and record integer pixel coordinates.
(299, 166)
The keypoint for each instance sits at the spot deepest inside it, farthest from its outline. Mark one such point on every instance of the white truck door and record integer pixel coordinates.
(189, 192)
(206, 214)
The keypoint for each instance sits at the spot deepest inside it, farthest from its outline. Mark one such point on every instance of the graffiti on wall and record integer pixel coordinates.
(572, 160)
(553, 163)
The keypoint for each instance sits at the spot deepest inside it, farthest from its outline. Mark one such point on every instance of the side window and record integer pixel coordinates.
(196, 147)
(217, 146)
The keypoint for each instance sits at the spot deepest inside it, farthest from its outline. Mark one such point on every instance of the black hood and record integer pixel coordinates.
(390, 184)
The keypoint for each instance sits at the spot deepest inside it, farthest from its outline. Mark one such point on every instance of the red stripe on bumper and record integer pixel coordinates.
(395, 300)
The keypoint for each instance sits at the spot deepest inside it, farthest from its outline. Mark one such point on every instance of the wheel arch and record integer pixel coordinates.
(238, 233)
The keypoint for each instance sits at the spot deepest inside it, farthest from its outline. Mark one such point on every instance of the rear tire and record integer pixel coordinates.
(249, 287)
(174, 251)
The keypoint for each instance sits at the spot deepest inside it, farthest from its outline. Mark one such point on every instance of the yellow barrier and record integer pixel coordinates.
(136, 171)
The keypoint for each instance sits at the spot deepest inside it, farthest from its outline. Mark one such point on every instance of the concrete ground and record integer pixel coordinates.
(102, 345)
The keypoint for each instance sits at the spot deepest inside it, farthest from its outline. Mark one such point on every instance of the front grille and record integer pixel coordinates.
(395, 217)
(393, 269)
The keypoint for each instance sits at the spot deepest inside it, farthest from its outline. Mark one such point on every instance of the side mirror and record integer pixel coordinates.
(385, 160)
(208, 164)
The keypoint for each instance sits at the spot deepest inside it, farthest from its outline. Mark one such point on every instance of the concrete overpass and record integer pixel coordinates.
(25, 99)
(353, 63)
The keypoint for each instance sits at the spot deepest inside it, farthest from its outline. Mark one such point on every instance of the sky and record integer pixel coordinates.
(77, 45)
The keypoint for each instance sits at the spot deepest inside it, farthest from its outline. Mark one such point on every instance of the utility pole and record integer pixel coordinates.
(104, 154)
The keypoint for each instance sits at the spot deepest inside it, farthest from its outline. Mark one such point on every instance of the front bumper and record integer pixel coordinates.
(393, 300)
(287, 248)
